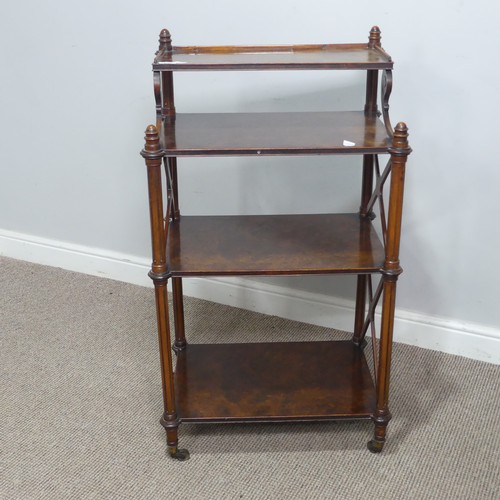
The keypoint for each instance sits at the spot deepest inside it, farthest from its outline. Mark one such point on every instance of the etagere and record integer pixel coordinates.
(294, 381)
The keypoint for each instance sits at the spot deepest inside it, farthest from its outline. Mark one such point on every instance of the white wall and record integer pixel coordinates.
(77, 95)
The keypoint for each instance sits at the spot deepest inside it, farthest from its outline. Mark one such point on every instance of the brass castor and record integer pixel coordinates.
(375, 446)
(180, 454)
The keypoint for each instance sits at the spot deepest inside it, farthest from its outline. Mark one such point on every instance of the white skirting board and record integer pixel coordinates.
(442, 334)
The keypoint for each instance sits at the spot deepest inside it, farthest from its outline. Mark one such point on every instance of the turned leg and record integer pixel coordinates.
(359, 319)
(160, 275)
(169, 419)
(382, 415)
(174, 451)
(390, 272)
(178, 301)
(376, 444)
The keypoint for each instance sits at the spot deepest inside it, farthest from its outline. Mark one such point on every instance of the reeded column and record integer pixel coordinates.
(392, 269)
(159, 274)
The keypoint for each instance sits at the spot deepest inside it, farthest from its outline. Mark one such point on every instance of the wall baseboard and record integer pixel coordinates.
(442, 334)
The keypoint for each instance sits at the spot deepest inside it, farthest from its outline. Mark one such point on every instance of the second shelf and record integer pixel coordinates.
(273, 244)
(292, 133)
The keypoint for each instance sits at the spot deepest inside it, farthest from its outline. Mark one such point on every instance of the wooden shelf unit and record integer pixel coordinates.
(277, 381)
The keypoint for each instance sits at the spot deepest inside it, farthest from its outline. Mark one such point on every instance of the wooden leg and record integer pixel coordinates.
(360, 311)
(376, 445)
(180, 454)
(178, 300)
(169, 418)
(382, 415)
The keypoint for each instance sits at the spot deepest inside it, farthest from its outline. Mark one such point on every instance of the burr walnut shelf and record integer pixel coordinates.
(271, 244)
(218, 134)
(294, 381)
(241, 382)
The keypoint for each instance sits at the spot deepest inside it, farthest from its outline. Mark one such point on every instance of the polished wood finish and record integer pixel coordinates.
(234, 134)
(273, 244)
(273, 381)
(278, 381)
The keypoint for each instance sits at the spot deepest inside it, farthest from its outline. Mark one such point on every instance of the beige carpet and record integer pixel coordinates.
(81, 399)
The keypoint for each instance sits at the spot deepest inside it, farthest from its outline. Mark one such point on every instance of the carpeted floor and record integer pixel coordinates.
(81, 400)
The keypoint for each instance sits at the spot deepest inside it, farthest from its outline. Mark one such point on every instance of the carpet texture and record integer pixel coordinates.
(81, 400)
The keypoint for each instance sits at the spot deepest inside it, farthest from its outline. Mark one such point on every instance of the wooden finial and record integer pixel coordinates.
(152, 139)
(374, 38)
(165, 41)
(152, 147)
(400, 137)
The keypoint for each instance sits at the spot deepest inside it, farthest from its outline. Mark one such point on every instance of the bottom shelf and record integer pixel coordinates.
(273, 382)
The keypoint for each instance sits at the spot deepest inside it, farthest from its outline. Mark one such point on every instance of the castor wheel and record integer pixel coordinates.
(180, 454)
(375, 446)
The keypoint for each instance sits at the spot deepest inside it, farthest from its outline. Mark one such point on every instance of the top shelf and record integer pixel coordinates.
(282, 57)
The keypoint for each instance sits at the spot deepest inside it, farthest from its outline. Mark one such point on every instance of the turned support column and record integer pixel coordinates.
(392, 269)
(159, 274)
(371, 109)
(165, 110)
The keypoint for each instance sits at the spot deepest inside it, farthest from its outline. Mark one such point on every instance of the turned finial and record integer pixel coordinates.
(374, 38)
(152, 139)
(165, 41)
(400, 137)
